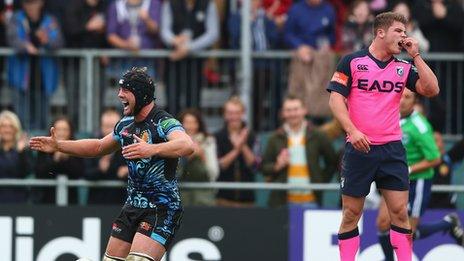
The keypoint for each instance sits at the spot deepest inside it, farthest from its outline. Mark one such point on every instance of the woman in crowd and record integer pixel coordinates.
(14, 157)
(412, 28)
(49, 166)
(357, 32)
(202, 165)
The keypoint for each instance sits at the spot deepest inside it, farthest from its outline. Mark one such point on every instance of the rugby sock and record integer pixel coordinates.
(348, 244)
(425, 230)
(401, 240)
(384, 240)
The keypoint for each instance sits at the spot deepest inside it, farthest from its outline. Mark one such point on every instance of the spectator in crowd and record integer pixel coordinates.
(14, 157)
(276, 10)
(109, 167)
(34, 78)
(264, 37)
(4, 16)
(84, 24)
(56, 9)
(357, 32)
(202, 165)
(442, 22)
(49, 166)
(4, 13)
(412, 27)
(235, 143)
(263, 29)
(341, 14)
(310, 31)
(134, 25)
(310, 26)
(378, 6)
(297, 153)
(187, 26)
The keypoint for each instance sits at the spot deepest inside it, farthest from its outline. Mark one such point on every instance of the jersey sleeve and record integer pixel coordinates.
(167, 125)
(413, 76)
(425, 140)
(117, 132)
(341, 79)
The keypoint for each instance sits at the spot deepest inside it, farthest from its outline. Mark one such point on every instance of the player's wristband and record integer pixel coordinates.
(414, 56)
(409, 170)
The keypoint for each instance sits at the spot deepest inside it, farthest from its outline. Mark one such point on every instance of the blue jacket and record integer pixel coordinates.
(310, 24)
(270, 31)
(19, 64)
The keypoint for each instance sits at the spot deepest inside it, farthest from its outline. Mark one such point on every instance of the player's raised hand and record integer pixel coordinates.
(360, 141)
(22, 142)
(283, 159)
(45, 144)
(139, 150)
(411, 46)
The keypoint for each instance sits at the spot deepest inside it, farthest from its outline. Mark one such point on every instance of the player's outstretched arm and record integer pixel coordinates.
(79, 148)
(179, 144)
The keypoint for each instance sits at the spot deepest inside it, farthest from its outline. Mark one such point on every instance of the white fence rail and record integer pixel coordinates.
(62, 183)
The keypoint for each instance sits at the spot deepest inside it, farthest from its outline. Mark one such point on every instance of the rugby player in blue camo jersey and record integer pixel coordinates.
(152, 142)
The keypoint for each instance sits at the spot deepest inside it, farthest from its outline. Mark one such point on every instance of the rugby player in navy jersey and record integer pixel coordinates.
(152, 142)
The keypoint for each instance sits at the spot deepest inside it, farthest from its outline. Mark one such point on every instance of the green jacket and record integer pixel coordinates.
(318, 147)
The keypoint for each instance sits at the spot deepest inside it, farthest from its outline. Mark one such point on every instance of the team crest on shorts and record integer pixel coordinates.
(145, 226)
(400, 70)
(116, 228)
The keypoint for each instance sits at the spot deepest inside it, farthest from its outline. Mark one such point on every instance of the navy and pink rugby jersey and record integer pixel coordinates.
(373, 91)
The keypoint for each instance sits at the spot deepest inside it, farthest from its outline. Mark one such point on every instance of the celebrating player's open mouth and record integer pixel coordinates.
(126, 106)
(124, 97)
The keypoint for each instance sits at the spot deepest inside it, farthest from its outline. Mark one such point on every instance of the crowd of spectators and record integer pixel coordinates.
(190, 25)
(315, 29)
(305, 154)
(298, 152)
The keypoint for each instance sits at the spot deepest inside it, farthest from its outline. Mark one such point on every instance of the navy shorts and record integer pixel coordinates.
(419, 196)
(385, 164)
(160, 224)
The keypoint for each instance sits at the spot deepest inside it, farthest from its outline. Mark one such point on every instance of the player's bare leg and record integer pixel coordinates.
(145, 249)
(397, 204)
(383, 227)
(116, 249)
(400, 230)
(348, 235)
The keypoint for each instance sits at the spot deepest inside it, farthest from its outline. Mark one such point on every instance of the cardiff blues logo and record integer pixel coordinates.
(400, 70)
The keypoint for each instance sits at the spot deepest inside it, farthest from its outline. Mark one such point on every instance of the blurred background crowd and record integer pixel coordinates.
(295, 45)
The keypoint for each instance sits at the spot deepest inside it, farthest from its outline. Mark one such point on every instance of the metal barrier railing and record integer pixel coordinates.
(62, 183)
(85, 79)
